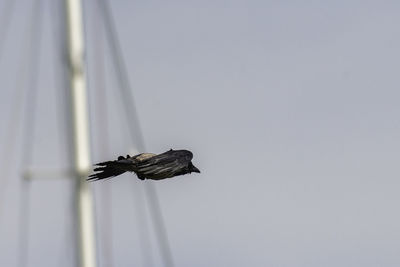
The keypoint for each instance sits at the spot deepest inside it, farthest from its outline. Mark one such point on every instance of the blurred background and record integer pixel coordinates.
(291, 109)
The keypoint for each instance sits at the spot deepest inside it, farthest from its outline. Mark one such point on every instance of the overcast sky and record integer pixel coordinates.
(291, 109)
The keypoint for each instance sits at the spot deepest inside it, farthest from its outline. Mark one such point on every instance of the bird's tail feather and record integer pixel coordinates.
(109, 169)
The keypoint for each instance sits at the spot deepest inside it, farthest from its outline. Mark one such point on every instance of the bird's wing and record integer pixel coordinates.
(113, 168)
(145, 165)
(167, 163)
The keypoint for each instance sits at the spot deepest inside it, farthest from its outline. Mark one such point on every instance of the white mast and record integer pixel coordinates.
(81, 143)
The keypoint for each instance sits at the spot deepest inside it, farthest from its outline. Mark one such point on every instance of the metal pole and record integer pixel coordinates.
(81, 144)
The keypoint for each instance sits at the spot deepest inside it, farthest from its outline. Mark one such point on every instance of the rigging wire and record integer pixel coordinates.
(121, 72)
(5, 19)
(141, 216)
(65, 255)
(12, 126)
(101, 107)
(29, 131)
(61, 75)
(24, 218)
(135, 130)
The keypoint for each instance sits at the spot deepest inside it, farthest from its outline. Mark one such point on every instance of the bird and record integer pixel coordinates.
(147, 166)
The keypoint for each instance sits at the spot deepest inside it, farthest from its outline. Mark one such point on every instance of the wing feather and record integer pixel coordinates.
(165, 165)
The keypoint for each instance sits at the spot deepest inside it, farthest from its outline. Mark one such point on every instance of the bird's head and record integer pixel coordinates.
(192, 168)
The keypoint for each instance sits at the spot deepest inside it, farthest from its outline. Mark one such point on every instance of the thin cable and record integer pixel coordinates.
(32, 92)
(57, 16)
(158, 224)
(5, 19)
(135, 131)
(12, 126)
(103, 139)
(66, 256)
(24, 218)
(123, 80)
(141, 216)
(29, 131)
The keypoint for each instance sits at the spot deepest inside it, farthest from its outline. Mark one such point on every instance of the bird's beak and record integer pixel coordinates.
(194, 169)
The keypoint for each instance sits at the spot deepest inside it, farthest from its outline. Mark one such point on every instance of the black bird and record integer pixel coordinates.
(148, 166)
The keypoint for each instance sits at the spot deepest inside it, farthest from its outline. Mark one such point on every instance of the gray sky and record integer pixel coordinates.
(292, 112)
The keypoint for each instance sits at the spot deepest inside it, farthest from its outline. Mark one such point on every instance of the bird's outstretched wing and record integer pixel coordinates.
(109, 169)
(165, 165)
(147, 165)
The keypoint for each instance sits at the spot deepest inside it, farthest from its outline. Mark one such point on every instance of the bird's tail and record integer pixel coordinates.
(109, 169)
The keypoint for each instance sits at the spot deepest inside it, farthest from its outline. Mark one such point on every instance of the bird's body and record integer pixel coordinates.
(148, 166)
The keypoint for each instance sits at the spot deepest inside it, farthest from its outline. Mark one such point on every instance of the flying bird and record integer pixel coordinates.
(147, 166)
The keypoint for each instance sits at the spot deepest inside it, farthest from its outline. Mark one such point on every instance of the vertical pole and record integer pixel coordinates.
(81, 143)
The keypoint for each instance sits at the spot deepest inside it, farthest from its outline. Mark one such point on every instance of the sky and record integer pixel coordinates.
(290, 108)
